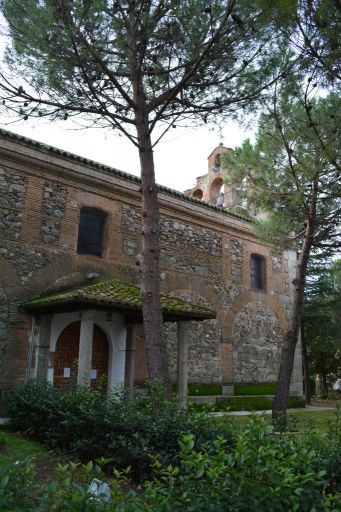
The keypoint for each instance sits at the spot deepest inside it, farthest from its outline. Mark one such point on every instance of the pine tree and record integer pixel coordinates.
(322, 321)
(135, 65)
(294, 174)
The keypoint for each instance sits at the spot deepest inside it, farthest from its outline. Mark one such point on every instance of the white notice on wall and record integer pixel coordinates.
(93, 374)
(67, 373)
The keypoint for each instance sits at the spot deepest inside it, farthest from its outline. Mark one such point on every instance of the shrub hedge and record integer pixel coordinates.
(264, 473)
(255, 389)
(245, 403)
(90, 424)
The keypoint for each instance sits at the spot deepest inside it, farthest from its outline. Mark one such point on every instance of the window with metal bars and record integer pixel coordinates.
(258, 272)
(91, 231)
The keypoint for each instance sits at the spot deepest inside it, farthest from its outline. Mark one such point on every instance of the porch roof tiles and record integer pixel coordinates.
(115, 295)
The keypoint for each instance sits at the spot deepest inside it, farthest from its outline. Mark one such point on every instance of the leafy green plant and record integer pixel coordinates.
(244, 403)
(264, 471)
(204, 389)
(90, 424)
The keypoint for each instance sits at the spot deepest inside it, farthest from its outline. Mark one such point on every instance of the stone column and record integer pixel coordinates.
(182, 363)
(43, 347)
(130, 361)
(85, 348)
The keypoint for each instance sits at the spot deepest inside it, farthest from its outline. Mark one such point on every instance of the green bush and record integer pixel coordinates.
(264, 472)
(241, 403)
(204, 389)
(253, 403)
(90, 424)
(296, 402)
(255, 389)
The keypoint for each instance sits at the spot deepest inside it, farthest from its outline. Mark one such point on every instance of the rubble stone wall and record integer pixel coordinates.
(3, 331)
(53, 211)
(12, 198)
(184, 247)
(204, 343)
(257, 342)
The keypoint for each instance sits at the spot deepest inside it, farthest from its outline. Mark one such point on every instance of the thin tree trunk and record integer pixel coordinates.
(306, 366)
(279, 406)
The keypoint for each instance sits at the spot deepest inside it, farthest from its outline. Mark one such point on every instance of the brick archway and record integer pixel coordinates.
(66, 355)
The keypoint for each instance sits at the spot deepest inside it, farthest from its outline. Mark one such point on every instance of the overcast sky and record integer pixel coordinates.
(180, 156)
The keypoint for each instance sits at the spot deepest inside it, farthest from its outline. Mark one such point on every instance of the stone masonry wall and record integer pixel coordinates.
(257, 339)
(25, 259)
(204, 357)
(53, 211)
(12, 197)
(3, 331)
(236, 254)
(184, 247)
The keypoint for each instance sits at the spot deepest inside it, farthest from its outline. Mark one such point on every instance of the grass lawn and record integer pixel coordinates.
(14, 446)
(316, 420)
(300, 419)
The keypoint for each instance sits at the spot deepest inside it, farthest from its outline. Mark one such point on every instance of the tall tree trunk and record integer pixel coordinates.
(150, 265)
(279, 406)
(150, 271)
(306, 366)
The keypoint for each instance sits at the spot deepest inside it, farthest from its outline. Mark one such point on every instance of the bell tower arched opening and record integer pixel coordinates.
(198, 194)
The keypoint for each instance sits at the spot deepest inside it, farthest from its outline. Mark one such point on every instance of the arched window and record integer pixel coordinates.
(91, 231)
(198, 194)
(258, 272)
(217, 161)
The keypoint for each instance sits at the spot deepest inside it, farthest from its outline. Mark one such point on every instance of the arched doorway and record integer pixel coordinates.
(66, 355)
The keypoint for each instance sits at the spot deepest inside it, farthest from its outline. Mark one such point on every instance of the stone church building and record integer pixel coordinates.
(69, 301)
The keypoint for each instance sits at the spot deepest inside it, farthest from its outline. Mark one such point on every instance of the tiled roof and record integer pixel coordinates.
(120, 296)
(115, 172)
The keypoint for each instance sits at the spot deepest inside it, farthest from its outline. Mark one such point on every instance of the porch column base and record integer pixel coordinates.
(43, 347)
(182, 363)
(130, 361)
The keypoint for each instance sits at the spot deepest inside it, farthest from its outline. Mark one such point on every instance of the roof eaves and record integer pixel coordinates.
(116, 172)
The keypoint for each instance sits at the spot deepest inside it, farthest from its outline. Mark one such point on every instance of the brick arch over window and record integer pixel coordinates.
(91, 231)
(67, 271)
(66, 355)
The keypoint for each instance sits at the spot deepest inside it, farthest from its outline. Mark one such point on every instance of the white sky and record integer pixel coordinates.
(180, 156)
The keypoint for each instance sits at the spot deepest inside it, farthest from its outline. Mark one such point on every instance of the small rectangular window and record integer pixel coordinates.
(91, 231)
(258, 272)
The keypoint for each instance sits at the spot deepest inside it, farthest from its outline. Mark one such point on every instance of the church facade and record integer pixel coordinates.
(69, 241)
